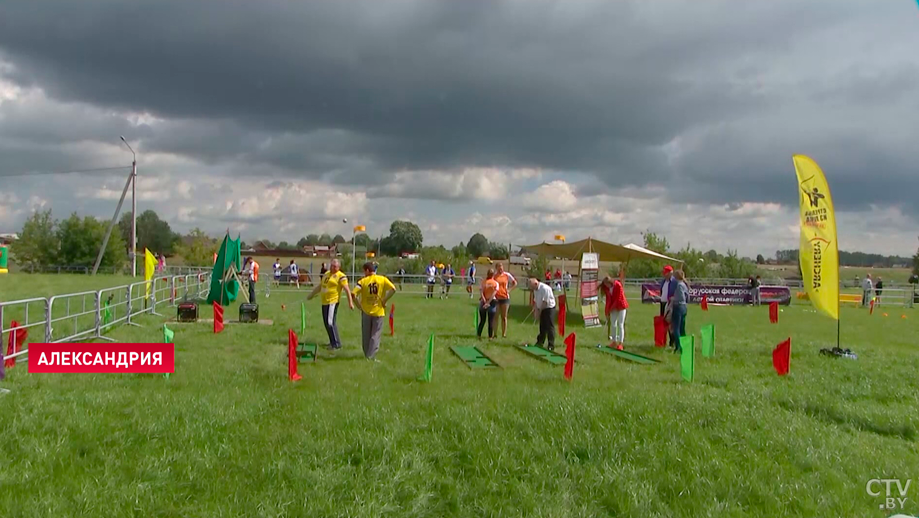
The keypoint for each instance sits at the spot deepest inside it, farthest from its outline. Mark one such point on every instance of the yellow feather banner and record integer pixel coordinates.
(149, 269)
(819, 253)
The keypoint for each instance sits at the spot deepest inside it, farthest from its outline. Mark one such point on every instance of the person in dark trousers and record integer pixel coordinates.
(678, 309)
(488, 305)
(544, 306)
(250, 269)
(667, 285)
(333, 283)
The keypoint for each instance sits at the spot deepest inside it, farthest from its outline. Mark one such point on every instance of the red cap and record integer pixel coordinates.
(668, 269)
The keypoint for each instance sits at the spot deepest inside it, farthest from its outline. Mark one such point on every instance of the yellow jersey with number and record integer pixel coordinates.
(332, 284)
(371, 290)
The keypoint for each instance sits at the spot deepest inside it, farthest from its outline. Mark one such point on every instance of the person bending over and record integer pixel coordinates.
(544, 306)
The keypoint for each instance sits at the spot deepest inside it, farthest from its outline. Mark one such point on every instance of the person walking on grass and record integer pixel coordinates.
(276, 268)
(544, 308)
(678, 309)
(447, 273)
(470, 279)
(431, 272)
(332, 284)
(867, 289)
(373, 292)
(294, 273)
(878, 289)
(506, 283)
(616, 306)
(488, 305)
(400, 276)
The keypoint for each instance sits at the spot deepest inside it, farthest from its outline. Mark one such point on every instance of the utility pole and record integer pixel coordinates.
(133, 210)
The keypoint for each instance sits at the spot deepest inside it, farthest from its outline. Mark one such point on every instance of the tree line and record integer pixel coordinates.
(857, 259)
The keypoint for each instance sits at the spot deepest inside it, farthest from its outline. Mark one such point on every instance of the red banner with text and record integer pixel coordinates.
(102, 358)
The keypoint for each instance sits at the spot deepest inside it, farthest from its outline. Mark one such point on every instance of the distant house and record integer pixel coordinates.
(410, 255)
(324, 251)
(7, 239)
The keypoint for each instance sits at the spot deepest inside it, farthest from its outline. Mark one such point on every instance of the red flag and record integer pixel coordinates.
(562, 314)
(569, 353)
(392, 328)
(292, 356)
(774, 312)
(218, 318)
(871, 308)
(704, 303)
(661, 328)
(781, 357)
(14, 344)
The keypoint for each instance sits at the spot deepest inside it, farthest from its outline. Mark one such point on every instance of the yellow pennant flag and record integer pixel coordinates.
(149, 269)
(819, 254)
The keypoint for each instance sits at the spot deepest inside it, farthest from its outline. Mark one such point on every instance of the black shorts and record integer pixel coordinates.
(502, 302)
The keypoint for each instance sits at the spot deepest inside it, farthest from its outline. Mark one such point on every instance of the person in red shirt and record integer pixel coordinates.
(616, 306)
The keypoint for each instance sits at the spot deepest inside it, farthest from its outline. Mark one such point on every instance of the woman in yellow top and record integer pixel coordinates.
(332, 284)
(506, 283)
(373, 292)
(488, 306)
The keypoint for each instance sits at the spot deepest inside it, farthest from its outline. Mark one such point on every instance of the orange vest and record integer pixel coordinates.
(254, 271)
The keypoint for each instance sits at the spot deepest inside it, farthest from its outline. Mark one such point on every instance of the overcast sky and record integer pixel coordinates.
(517, 119)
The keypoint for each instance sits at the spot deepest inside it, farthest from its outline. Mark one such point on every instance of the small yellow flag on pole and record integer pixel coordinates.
(819, 253)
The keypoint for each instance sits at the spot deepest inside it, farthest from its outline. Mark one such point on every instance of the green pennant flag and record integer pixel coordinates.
(708, 340)
(429, 361)
(303, 318)
(168, 338)
(107, 314)
(687, 358)
(476, 318)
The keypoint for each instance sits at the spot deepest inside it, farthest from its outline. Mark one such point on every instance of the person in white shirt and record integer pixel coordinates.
(294, 273)
(544, 307)
(276, 267)
(431, 272)
(867, 288)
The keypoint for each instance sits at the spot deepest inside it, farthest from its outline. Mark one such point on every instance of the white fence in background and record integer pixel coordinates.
(88, 315)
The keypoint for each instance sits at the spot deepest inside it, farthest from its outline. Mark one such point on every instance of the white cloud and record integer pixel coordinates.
(475, 183)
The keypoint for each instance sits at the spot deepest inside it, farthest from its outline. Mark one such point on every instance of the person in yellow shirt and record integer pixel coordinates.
(331, 285)
(373, 292)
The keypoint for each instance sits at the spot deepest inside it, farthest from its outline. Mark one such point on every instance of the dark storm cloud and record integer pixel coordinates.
(352, 91)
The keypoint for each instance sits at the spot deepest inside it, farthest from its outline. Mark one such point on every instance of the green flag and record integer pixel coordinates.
(476, 318)
(168, 338)
(708, 340)
(302, 318)
(107, 314)
(429, 361)
(687, 358)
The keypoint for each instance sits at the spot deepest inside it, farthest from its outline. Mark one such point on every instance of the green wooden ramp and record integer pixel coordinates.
(307, 352)
(474, 358)
(544, 354)
(625, 355)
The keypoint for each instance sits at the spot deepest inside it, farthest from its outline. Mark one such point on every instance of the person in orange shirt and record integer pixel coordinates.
(251, 268)
(488, 306)
(506, 283)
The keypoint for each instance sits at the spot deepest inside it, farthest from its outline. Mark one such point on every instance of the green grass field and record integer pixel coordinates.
(229, 435)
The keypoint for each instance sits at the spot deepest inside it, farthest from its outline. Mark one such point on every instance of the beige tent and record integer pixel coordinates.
(608, 252)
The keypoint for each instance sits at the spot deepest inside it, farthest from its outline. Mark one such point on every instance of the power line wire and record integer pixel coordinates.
(69, 171)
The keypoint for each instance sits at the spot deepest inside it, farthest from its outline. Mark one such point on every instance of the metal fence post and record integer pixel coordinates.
(48, 329)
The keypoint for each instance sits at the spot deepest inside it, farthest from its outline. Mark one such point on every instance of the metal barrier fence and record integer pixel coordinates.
(89, 315)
